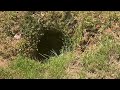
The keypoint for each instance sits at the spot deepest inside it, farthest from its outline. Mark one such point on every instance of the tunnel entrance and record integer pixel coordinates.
(51, 42)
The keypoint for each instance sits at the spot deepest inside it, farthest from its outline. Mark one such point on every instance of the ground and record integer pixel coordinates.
(96, 55)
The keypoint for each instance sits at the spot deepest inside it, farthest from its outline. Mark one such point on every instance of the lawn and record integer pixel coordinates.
(91, 47)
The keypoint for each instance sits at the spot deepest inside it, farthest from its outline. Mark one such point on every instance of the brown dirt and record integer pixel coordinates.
(4, 63)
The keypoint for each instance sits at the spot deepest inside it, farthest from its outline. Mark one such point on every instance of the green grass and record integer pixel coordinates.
(97, 62)
(26, 68)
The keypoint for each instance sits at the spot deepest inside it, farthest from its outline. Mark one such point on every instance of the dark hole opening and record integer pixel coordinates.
(51, 42)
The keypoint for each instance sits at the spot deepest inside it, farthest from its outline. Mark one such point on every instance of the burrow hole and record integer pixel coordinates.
(50, 44)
